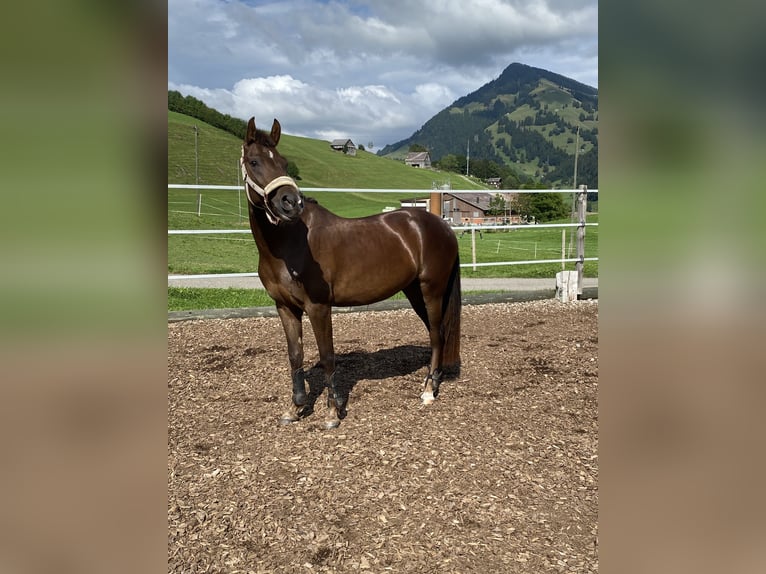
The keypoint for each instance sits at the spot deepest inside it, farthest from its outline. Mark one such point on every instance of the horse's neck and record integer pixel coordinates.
(262, 230)
(271, 239)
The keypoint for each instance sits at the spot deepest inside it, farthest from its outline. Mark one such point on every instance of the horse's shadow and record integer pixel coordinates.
(355, 366)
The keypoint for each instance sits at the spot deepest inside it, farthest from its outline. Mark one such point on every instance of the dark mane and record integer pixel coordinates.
(264, 138)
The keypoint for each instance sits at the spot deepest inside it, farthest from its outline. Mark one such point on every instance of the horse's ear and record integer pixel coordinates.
(250, 137)
(276, 131)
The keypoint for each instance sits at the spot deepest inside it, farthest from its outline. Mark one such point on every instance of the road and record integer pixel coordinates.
(468, 284)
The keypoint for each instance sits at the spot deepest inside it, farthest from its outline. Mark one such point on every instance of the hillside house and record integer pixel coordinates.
(344, 145)
(495, 182)
(418, 159)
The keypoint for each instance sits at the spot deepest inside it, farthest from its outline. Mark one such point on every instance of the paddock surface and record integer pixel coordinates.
(499, 475)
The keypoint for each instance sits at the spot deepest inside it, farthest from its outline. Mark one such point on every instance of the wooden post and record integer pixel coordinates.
(435, 202)
(473, 247)
(581, 197)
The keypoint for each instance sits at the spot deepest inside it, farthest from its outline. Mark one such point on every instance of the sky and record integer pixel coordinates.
(373, 71)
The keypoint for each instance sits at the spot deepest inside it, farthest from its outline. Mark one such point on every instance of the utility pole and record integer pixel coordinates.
(577, 152)
(196, 172)
(574, 186)
(467, 157)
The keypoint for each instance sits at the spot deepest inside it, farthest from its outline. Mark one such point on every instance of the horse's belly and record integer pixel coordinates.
(364, 288)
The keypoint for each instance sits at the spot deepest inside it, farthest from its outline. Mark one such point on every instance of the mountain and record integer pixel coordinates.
(526, 120)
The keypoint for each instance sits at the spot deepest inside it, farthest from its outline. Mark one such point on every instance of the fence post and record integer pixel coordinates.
(473, 247)
(581, 198)
(563, 248)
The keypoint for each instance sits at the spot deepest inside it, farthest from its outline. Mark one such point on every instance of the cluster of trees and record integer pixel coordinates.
(529, 141)
(587, 171)
(193, 107)
(538, 206)
(481, 168)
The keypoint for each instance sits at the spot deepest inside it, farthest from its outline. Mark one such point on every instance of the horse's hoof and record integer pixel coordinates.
(287, 419)
(331, 424)
(427, 398)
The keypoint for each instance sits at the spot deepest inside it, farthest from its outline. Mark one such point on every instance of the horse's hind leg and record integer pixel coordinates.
(415, 297)
(321, 322)
(433, 305)
(431, 317)
(293, 326)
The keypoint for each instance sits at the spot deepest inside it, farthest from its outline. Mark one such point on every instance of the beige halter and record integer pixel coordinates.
(264, 191)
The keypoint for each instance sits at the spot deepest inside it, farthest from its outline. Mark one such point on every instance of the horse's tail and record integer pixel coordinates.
(450, 327)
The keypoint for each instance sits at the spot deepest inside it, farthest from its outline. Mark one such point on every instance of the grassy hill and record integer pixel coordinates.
(320, 166)
(218, 154)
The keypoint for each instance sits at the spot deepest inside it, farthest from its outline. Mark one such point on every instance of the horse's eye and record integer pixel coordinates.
(253, 163)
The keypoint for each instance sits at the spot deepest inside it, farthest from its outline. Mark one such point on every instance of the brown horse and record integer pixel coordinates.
(311, 259)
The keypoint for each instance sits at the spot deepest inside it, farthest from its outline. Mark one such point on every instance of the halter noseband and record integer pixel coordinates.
(265, 191)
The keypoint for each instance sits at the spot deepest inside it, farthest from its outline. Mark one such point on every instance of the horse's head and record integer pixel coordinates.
(267, 184)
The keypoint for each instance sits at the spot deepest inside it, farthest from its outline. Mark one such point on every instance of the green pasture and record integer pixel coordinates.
(530, 243)
(211, 156)
(227, 209)
(236, 253)
(192, 298)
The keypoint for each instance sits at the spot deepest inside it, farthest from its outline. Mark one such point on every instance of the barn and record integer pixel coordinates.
(418, 159)
(473, 207)
(344, 145)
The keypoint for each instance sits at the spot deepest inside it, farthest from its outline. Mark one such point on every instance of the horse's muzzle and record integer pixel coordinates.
(286, 203)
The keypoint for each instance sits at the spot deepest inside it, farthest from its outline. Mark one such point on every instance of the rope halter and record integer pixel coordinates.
(265, 191)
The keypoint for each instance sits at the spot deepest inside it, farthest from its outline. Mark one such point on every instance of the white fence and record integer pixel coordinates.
(580, 225)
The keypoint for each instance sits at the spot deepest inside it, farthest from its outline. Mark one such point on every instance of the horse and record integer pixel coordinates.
(311, 260)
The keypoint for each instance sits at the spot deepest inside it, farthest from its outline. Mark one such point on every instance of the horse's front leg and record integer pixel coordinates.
(321, 322)
(293, 326)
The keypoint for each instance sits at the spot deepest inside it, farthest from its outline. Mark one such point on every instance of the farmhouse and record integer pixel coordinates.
(344, 145)
(495, 182)
(473, 207)
(418, 159)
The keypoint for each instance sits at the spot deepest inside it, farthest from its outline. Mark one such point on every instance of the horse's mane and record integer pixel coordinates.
(264, 138)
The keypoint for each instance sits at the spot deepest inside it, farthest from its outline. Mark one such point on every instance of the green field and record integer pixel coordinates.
(236, 253)
(217, 164)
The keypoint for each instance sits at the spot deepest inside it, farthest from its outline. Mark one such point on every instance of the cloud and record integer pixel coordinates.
(366, 67)
(362, 113)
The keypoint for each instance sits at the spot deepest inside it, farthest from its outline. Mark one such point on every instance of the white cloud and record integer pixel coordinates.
(364, 68)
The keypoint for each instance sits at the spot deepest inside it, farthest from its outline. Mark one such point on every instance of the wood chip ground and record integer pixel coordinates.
(500, 474)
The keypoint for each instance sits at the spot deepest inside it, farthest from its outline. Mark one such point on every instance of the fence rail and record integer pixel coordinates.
(580, 202)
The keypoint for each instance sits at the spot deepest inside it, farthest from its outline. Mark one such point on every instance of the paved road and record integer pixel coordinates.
(468, 284)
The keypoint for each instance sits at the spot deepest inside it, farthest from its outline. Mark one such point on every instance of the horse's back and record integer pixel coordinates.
(370, 258)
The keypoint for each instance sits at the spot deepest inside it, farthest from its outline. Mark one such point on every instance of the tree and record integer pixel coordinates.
(546, 206)
(451, 162)
(496, 205)
(292, 170)
(417, 148)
